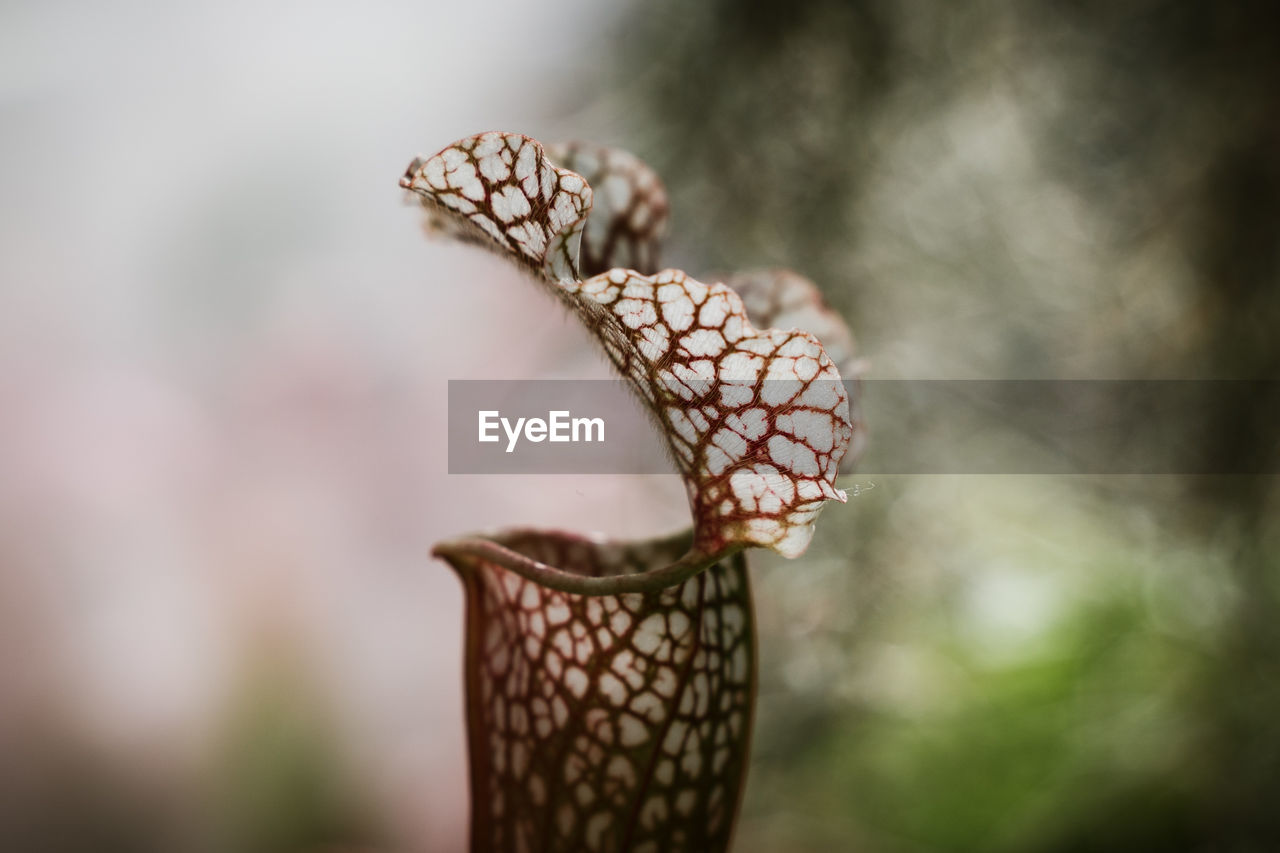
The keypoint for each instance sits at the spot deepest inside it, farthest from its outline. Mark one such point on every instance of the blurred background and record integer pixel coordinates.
(224, 348)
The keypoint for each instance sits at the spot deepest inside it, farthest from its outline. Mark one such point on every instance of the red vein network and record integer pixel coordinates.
(602, 719)
(612, 722)
(756, 419)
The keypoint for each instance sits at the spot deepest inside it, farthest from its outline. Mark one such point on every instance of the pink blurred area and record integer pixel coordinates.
(224, 349)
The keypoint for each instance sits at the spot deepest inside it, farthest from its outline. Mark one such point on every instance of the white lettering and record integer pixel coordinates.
(513, 435)
(487, 423)
(559, 427)
(559, 422)
(587, 424)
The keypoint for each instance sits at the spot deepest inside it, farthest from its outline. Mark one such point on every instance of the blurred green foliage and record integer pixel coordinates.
(278, 784)
(1034, 190)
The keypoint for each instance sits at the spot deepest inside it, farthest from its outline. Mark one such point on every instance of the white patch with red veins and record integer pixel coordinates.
(513, 199)
(782, 299)
(779, 374)
(755, 476)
